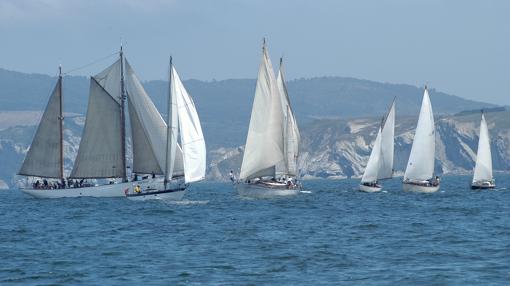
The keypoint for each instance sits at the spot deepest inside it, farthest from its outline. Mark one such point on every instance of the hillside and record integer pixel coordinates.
(331, 148)
(339, 148)
(338, 118)
(225, 106)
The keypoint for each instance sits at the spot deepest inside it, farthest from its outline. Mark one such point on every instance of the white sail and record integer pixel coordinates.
(264, 143)
(190, 131)
(148, 130)
(43, 158)
(483, 167)
(374, 161)
(100, 154)
(291, 130)
(387, 145)
(421, 160)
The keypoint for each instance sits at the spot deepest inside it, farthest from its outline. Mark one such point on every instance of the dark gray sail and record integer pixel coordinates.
(44, 158)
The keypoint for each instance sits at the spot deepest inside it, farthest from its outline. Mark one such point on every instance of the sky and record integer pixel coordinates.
(461, 47)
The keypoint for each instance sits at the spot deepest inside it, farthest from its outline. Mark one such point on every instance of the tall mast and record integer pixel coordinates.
(122, 116)
(61, 119)
(168, 125)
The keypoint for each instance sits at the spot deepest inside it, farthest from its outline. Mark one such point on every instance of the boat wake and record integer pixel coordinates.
(187, 202)
(305, 192)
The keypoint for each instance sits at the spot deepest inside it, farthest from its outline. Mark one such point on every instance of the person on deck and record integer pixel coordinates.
(232, 176)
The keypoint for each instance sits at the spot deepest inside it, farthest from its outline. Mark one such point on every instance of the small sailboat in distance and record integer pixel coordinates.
(482, 177)
(419, 172)
(269, 166)
(380, 162)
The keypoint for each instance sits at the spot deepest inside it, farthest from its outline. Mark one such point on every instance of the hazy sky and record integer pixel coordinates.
(460, 47)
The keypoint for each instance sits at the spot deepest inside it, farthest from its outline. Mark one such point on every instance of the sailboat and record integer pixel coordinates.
(419, 172)
(269, 166)
(100, 168)
(380, 162)
(482, 177)
(184, 126)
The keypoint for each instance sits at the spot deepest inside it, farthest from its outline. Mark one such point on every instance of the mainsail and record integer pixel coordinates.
(483, 167)
(374, 161)
(387, 145)
(100, 152)
(189, 130)
(421, 160)
(148, 130)
(291, 136)
(44, 158)
(264, 143)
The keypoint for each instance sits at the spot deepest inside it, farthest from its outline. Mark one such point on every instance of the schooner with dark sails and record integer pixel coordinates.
(101, 158)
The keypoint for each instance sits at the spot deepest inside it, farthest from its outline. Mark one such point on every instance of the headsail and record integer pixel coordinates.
(190, 131)
(44, 158)
(421, 160)
(374, 161)
(148, 130)
(483, 167)
(387, 144)
(100, 153)
(264, 143)
(291, 131)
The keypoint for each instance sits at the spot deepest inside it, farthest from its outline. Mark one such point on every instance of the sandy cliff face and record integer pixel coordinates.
(331, 148)
(340, 148)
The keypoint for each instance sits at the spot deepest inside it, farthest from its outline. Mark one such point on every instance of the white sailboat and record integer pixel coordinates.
(380, 162)
(102, 152)
(269, 166)
(482, 177)
(188, 162)
(419, 172)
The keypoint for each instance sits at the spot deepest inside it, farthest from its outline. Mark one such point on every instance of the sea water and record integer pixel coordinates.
(329, 234)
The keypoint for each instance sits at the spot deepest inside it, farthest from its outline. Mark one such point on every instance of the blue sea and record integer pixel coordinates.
(330, 234)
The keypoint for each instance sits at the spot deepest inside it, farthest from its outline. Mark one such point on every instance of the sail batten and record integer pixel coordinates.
(483, 167)
(421, 160)
(44, 157)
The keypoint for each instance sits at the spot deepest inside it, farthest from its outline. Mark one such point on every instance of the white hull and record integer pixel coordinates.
(264, 191)
(369, 189)
(102, 191)
(420, 189)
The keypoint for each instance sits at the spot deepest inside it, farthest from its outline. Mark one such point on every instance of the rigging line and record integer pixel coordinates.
(90, 64)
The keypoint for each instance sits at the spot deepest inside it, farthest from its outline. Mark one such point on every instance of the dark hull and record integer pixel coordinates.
(475, 187)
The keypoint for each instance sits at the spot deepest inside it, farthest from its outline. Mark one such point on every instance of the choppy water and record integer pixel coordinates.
(330, 235)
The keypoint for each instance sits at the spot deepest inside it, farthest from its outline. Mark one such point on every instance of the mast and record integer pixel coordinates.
(61, 121)
(122, 116)
(168, 126)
